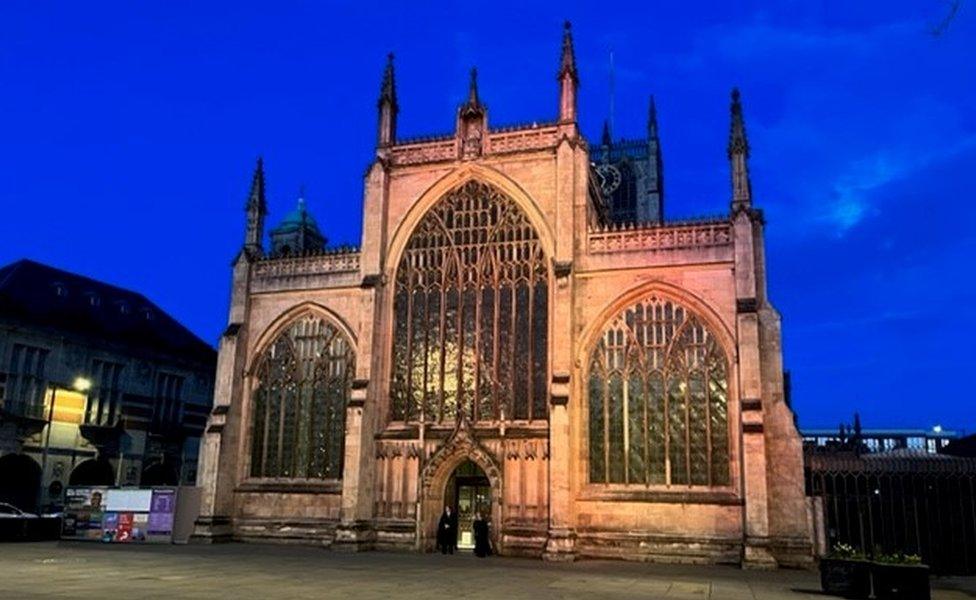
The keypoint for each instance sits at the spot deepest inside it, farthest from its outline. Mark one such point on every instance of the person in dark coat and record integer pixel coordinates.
(482, 537)
(447, 531)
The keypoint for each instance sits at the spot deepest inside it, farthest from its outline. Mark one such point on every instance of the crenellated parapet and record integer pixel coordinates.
(624, 237)
(334, 268)
(519, 138)
(528, 138)
(422, 152)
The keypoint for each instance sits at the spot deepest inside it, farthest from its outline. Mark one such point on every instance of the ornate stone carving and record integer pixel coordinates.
(520, 139)
(517, 138)
(302, 272)
(623, 238)
(526, 450)
(424, 152)
(462, 444)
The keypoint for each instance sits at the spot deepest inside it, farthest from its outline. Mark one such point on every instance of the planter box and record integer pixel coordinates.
(846, 578)
(901, 582)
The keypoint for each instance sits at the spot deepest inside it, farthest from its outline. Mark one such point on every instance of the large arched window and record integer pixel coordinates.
(658, 400)
(471, 313)
(303, 382)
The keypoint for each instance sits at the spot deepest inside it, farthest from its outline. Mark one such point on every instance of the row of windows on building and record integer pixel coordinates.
(26, 390)
(94, 300)
(881, 442)
(657, 397)
(471, 341)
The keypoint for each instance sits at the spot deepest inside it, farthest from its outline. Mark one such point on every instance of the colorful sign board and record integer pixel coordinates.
(120, 515)
(161, 512)
(84, 513)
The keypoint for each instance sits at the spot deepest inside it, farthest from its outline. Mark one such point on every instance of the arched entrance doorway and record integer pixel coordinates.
(20, 481)
(94, 471)
(462, 469)
(467, 492)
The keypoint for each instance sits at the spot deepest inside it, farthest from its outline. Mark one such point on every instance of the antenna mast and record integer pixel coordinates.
(611, 93)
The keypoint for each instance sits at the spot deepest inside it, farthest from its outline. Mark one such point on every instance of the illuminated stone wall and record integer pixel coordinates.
(543, 502)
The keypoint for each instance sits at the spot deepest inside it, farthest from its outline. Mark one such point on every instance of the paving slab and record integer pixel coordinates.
(241, 571)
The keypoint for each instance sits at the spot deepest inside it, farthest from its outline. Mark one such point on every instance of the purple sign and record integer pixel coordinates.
(161, 512)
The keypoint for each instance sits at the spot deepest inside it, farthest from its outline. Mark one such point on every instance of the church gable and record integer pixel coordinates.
(531, 340)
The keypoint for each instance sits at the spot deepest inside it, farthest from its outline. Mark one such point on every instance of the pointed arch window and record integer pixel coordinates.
(470, 314)
(304, 380)
(658, 400)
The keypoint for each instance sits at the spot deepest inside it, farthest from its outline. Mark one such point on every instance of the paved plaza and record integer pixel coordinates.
(241, 571)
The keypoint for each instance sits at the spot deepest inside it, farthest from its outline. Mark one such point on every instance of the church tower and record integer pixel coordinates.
(630, 173)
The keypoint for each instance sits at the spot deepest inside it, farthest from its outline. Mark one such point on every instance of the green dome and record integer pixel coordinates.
(297, 234)
(299, 218)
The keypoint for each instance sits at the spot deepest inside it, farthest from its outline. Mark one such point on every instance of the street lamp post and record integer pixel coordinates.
(80, 384)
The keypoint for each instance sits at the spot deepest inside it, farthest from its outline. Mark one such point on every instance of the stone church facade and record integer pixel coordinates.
(599, 386)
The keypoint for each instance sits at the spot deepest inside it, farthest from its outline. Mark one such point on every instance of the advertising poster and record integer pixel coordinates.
(140, 522)
(84, 513)
(162, 510)
(111, 525)
(123, 528)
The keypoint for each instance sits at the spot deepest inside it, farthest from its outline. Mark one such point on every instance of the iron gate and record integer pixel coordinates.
(914, 504)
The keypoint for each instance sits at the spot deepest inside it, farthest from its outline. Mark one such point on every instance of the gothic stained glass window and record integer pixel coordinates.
(471, 313)
(303, 383)
(658, 400)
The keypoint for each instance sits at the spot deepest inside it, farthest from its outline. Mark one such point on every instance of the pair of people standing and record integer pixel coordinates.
(447, 530)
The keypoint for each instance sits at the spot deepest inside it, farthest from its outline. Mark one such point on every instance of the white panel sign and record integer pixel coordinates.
(129, 500)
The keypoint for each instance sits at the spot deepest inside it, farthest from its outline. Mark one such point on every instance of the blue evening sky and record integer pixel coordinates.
(128, 131)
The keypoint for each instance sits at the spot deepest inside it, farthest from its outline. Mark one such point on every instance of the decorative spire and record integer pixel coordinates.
(388, 87)
(652, 119)
(738, 143)
(387, 105)
(567, 63)
(256, 208)
(738, 152)
(256, 199)
(473, 101)
(472, 122)
(606, 140)
(655, 173)
(567, 77)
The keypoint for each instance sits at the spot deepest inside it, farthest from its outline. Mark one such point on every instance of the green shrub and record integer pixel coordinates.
(898, 558)
(846, 552)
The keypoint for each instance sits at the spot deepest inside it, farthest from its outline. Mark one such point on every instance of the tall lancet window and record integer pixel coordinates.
(658, 400)
(298, 411)
(471, 314)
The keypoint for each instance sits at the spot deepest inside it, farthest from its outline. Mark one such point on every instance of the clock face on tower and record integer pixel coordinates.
(609, 178)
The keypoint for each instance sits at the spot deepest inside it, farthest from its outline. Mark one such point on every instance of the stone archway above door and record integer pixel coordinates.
(460, 446)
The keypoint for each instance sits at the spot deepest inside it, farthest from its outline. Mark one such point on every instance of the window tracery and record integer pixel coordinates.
(658, 400)
(471, 313)
(304, 380)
